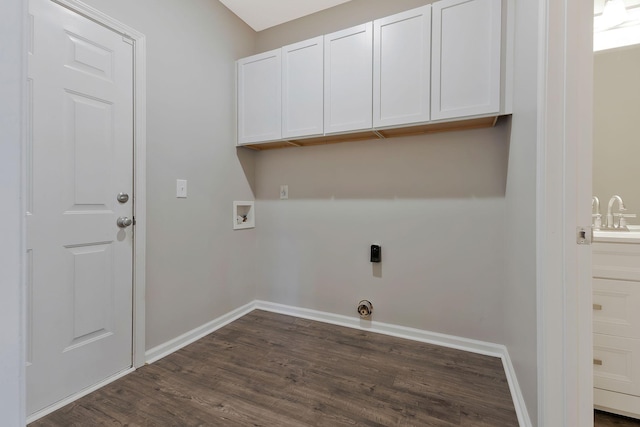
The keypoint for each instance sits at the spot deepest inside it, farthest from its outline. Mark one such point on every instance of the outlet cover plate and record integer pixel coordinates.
(284, 192)
(181, 188)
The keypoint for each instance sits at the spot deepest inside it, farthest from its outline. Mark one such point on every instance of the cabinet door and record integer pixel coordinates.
(616, 307)
(302, 89)
(401, 68)
(616, 364)
(259, 98)
(348, 79)
(466, 45)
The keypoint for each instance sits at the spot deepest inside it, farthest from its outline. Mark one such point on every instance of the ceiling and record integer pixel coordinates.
(262, 14)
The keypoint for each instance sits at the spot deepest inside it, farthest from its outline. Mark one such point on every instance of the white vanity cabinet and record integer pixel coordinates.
(259, 80)
(466, 58)
(402, 68)
(616, 327)
(348, 62)
(303, 89)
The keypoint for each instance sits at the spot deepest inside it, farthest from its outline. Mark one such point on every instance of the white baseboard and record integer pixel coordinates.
(459, 343)
(617, 403)
(64, 402)
(480, 347)
(516, 392)
(158, 352)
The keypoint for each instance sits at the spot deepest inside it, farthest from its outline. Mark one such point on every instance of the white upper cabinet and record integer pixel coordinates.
(302, 89)
(348, 79)
(413, 72)
(401, 68)
(466, 49)
(259, 98)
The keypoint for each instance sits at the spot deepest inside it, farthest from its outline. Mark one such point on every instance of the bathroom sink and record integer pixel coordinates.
(632, 235)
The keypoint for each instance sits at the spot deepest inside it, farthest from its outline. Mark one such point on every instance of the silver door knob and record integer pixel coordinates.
(124, 222)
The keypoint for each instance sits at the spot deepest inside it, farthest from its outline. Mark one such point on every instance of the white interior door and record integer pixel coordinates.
(79, 260)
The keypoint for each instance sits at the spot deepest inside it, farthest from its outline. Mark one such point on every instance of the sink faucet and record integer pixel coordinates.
(597, 222)
(610, 223)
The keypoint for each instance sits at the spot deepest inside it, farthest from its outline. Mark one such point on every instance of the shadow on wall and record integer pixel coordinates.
(453, 165)
(247, 159)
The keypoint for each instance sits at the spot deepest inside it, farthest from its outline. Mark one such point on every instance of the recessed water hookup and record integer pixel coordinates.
(365, 309)
(243, 215)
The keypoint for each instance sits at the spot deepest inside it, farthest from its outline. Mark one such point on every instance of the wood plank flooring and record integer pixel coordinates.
(605, 419)
(268, 369)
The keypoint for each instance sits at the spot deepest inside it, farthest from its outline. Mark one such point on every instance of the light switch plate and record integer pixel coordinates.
(181, 188)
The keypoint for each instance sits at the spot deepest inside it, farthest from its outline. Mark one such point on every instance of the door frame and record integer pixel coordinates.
(13, 113)
(564, 188)
(140, 165)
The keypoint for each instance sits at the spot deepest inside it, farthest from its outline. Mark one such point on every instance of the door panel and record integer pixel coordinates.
(465, 58)
(80, 158)
(616, 305)
(92, 282)
(260, 97)
(302, 89)
(348, 79)
(616, 364)
(89, 132)
(401, 68)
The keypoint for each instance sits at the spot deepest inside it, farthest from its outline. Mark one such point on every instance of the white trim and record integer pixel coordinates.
(579, 189)
(617, 403)
(99, 17)
(550, 315)
(508, 56)
(171, 346)
(140, 167)
(516, 393)
(13, 66)
(565, 396)
(450, 341)
(64, 402)
(140, 202)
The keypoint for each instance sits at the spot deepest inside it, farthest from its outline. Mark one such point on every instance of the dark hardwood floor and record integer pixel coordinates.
(267, 369)
(605, 419)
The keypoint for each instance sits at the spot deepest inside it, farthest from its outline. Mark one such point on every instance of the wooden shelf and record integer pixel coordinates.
(484, 122)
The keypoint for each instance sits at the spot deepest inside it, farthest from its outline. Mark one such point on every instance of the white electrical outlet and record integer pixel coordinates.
(181, 188)
(284, 192)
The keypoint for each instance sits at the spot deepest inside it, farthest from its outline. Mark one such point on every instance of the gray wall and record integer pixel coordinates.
(12, 77)
(520, 290)
(616, 136)
(436, 206)
(197, 267)
(435, 203)
(455, 214)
